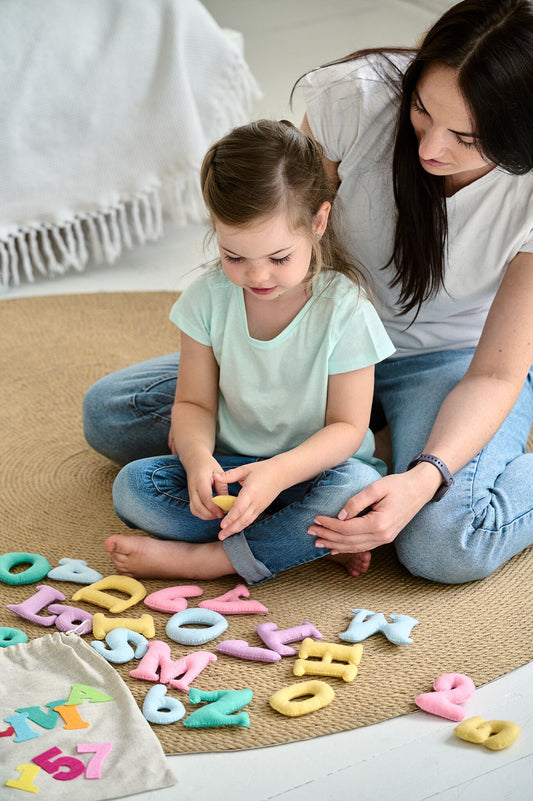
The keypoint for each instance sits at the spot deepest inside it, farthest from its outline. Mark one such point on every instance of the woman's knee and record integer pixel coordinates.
(444, 553)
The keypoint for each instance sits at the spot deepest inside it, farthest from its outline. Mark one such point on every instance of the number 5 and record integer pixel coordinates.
(51, 762)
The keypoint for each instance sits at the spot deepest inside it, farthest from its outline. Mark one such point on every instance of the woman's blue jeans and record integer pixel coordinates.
(481, 523)
(151, 494)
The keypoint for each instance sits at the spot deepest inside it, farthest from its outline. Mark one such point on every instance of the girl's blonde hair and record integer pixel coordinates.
(268, 167)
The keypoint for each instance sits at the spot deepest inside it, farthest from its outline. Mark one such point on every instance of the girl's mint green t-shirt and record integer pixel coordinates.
(273, 394)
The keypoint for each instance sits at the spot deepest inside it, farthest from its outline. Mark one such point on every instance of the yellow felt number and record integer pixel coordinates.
(25, 780)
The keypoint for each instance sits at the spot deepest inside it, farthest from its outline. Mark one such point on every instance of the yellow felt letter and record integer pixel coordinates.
(286, 701)
(334, 660)
(94, 595)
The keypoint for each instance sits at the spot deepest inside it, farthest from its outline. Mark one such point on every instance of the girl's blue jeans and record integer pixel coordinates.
(481, 523)
(151, 494)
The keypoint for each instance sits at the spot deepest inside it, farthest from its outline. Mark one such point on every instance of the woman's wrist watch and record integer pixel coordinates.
(447, 478)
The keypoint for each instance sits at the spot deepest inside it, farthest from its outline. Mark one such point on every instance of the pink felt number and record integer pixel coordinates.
(100, 751)
(451, 689)
(52, 762)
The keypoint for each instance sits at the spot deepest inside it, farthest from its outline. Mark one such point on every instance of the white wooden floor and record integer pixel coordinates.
(416, 757)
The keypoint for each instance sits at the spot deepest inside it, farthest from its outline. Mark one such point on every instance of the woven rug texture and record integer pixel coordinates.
(56, 501)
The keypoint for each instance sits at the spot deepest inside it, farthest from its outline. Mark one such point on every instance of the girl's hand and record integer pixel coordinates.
(376, 515)
(260, 486)
(201, 485)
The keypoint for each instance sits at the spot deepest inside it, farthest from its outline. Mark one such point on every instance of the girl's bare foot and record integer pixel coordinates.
(355, 563)
(146, 557)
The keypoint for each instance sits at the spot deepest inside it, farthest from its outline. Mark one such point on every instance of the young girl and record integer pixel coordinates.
(278, 346)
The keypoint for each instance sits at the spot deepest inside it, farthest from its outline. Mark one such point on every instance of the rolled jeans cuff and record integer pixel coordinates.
(246, 565)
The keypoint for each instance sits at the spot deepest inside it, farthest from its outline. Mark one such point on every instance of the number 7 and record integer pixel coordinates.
(100, 750)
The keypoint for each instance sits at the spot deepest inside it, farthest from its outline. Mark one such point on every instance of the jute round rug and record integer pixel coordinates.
(56, 501)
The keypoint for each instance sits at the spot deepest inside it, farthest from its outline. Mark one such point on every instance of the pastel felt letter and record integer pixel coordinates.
(276, 639)
(235, 602)
(365, 623)
(120, 650)
(241, 649)
(74, 570)
(450, 689)
(172, 599)
(10, 636)
(222, 704)
(335, 660)
(215, 622)
(69, 617)
(82, 692)
(129, 586)
(47, 720)
(157, 658)
(493, 734)
(103, 625)
(38, 569)
(22, 728)
(300, 699)
(30, 608)
(160, 708)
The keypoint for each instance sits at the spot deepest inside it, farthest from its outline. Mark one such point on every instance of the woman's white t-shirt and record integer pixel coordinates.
(352, 112)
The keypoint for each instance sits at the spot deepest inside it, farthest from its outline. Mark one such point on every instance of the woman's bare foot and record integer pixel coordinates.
(355, 563)
(146, 557)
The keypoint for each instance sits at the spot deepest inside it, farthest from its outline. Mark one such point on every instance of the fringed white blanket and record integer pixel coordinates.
(108, 107)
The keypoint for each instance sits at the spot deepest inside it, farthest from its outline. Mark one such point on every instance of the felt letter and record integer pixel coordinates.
(45, 719)
(23, 730)
(365, 623)
(276, 640)
(143, 625)
(9, 636)
(74, 570)
(172, 599)
(220, 708)
(82, 692)
(294, 700)
(25, 780)
(160, 708)
(69, 617)
(72, 717)
(119, 650)
(232, 603)
(39, 567)
(158, 658)
(94, 593)
(241, 649)
(30, 608)
(215, 622)
(335, 660)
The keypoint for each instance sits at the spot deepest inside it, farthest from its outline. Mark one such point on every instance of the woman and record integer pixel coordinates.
(433, 155)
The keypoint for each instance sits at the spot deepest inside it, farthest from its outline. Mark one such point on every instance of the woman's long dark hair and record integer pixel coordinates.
(489, 43)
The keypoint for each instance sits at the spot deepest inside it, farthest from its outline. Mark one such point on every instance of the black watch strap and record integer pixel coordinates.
(447, 477)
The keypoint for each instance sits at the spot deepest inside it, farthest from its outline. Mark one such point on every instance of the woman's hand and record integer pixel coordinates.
(201, 484)
(260, 486)
(377, 514)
